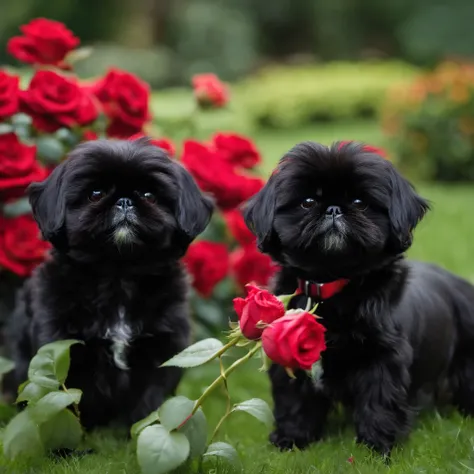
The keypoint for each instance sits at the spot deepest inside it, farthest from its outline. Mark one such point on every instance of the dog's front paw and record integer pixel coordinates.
(288, 441)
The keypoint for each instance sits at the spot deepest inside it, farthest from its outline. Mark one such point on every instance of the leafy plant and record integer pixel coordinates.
(431, 124)
(50, 419)
(178, 431)
(288, 97)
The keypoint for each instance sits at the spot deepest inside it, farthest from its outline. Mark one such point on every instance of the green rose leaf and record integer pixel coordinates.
(32, 392)
(61, 431)
(195, 355)
(68, 137)
(50, 149)
(51, 404)
(175, 411)
(160, 451)
(195, 430)
(6, 365)
(49, 367)
(223, 450)
(22, 437)
(258, 408)
(16, 208)
(140, 425)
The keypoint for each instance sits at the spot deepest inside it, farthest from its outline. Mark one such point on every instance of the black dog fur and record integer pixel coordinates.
(400, 333)
(120, 215)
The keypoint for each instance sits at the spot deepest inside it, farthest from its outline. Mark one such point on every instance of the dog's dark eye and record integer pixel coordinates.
(307, 203)
(96, 195)
(148, 197)
(359, 204)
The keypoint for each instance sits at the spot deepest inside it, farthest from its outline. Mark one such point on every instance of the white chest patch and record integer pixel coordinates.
(121, 335)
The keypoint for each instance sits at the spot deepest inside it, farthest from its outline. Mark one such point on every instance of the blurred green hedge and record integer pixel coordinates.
(285, 97)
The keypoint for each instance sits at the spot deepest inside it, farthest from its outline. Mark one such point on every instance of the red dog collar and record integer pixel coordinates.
(321, 291)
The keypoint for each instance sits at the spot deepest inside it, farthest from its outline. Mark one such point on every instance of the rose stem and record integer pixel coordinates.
(226, 373)
(229, 403)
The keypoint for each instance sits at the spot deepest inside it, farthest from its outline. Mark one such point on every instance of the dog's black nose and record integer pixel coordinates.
(124, 203)
(333, 211)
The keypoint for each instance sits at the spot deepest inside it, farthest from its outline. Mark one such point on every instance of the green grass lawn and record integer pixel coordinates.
(439, 443)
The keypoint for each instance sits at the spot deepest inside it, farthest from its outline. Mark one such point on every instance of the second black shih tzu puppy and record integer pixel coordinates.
(339, 220)
(120, 215)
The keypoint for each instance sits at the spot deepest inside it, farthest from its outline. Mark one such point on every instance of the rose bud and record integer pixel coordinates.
(294, 341)
(258, 308)
(209, 91)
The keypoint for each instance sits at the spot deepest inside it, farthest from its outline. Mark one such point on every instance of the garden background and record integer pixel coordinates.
(395, 74)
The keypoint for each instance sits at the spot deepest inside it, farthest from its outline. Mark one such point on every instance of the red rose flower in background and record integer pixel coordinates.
(237, 149)
(294, 341)
(217, 176)
(259, 306)
(250, 265)
(44, 42)
(125, 99)
(18, 166)
(238, 228)
(9, 93)
(89, 135)
(208, 264)
(210, 91)
(163, 143)
(55, 101)
(21, 249)
(367, 149)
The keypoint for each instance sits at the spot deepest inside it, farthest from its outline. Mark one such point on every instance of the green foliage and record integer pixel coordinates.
(291, 97)
(46, 423)
(258, 408)
(195, 429)
(431, 124)
(160, 451)
(197, 354)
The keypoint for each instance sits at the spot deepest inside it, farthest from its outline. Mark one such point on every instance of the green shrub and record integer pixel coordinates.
(293, 96)
(431, 124)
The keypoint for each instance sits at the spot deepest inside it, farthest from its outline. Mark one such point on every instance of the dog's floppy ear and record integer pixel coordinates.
(194, 209)
(259, 213)
(406, 209)
(48, 203)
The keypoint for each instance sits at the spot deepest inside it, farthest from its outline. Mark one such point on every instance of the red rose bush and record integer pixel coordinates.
(42, 120)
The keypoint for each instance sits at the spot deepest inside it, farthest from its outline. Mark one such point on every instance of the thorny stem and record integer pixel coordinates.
(226, 373)
(75, 405)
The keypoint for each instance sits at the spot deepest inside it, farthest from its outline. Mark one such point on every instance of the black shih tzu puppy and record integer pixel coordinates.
(120, 215)
(339, 220)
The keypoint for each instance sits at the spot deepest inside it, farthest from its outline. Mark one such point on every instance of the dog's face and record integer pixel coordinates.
(334, 211)
(120, 199)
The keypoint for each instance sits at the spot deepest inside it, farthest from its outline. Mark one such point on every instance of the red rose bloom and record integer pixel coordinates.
(237, 149)
(44, 42)
(9, 92)
(21, 249)
(238, 228)
(55, 101)
(89, 135)
(163, 143)
(125, 99)
(250, 265)
(367, 149)
(217, 176)
(294, 341)
(210, 91)
(259, 306)
(208, 264)
(18, 166)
